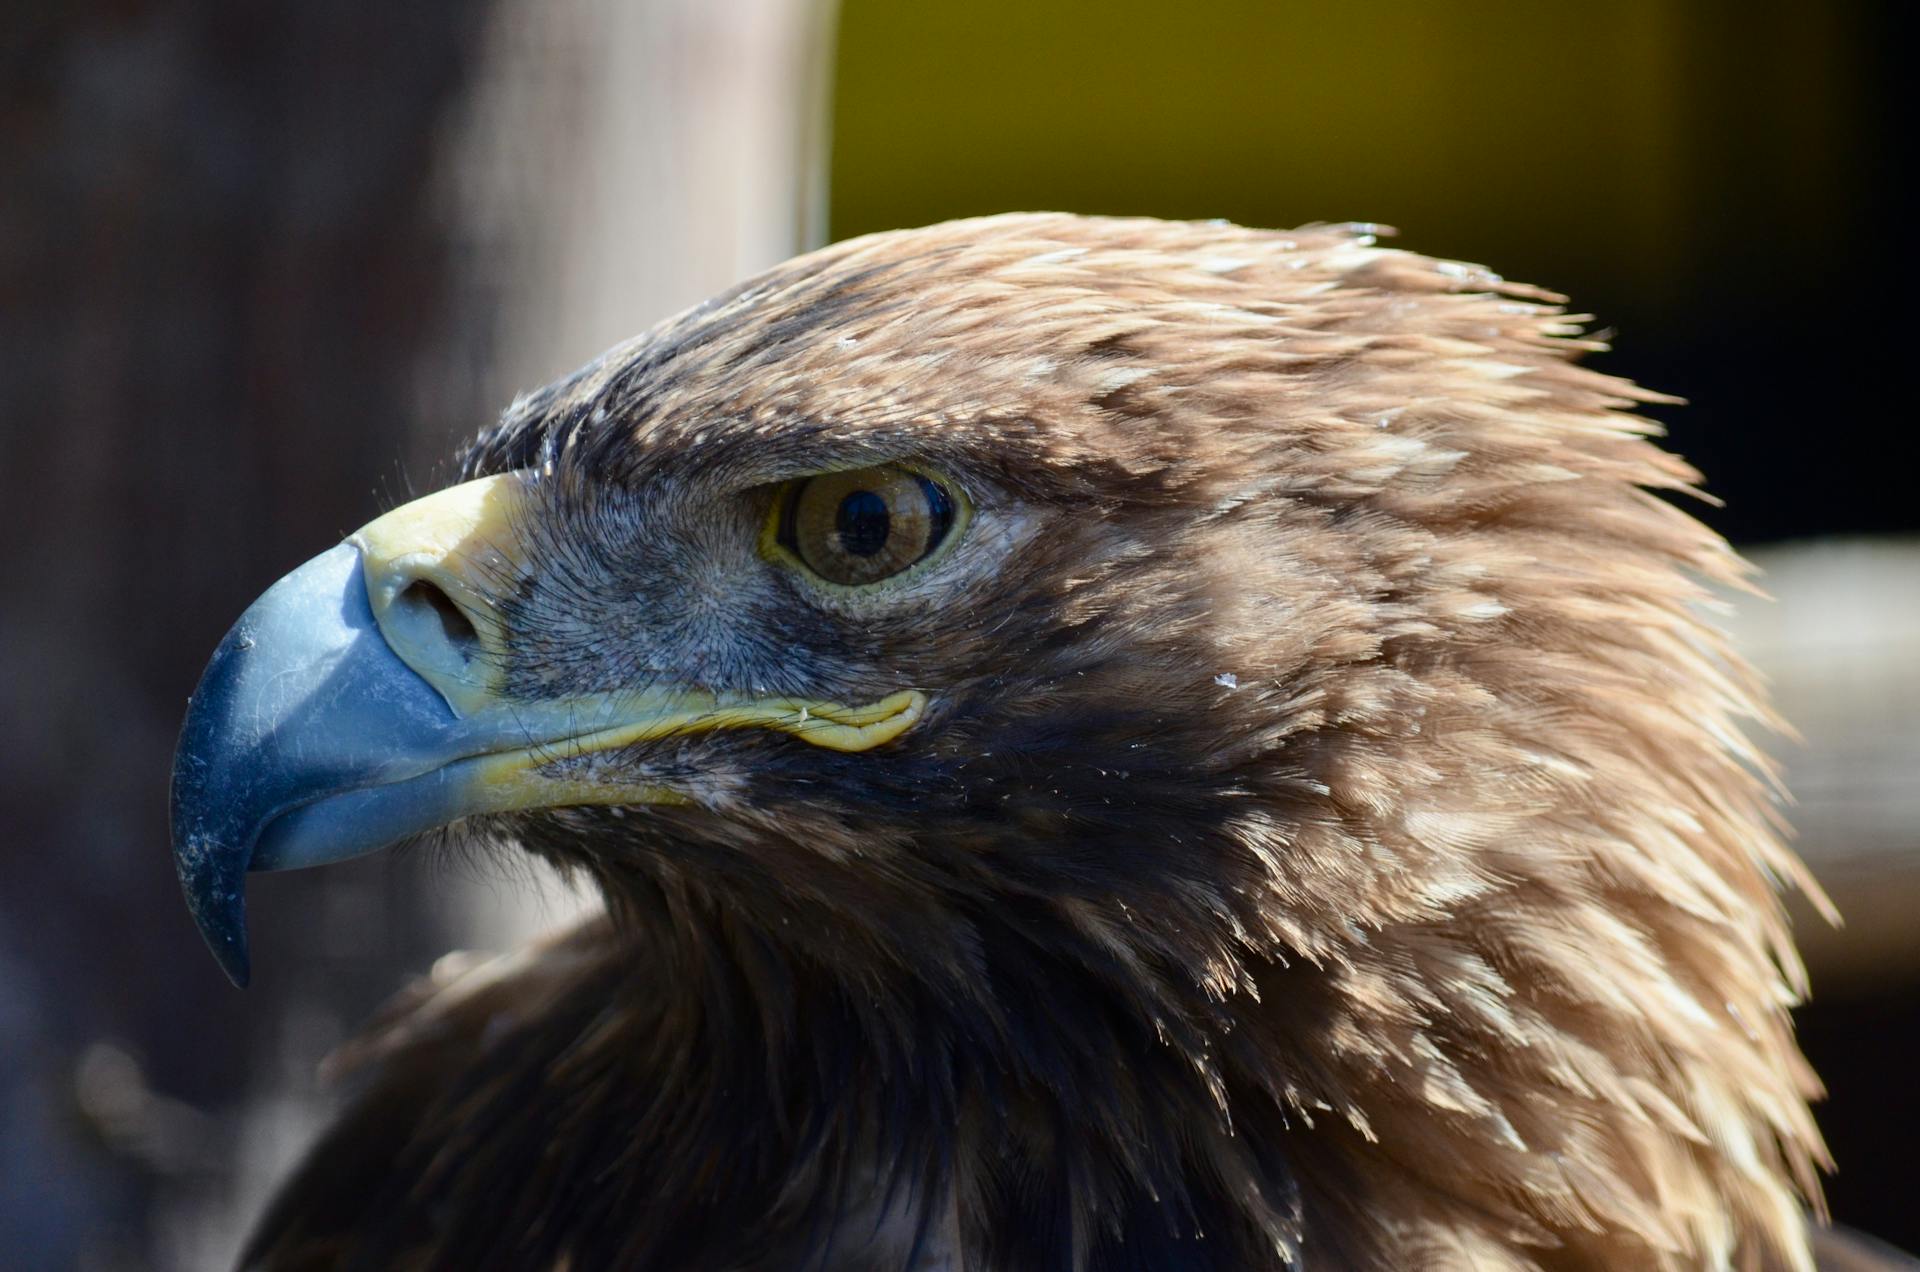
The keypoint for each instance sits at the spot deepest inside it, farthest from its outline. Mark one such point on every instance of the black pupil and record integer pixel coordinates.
(863, 523)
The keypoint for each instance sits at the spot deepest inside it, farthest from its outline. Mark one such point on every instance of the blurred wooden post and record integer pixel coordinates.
(1841, 645)
(615, 163)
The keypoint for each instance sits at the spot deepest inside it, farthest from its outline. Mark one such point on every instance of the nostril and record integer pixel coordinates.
(425, 604)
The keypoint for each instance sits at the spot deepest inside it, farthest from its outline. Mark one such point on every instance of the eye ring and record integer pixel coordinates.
(854, 529)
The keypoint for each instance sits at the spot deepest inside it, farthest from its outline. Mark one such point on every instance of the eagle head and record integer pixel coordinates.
(1213, 717)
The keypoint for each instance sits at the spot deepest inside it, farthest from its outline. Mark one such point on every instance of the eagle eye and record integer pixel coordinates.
(859, 527)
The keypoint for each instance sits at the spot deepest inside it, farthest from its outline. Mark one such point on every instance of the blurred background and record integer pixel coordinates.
(263, 265)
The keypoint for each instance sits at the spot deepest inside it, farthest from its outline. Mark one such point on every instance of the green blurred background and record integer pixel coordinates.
(1715, 181)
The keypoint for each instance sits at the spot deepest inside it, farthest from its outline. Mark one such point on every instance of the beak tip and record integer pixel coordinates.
(217, 900)
(233, 958)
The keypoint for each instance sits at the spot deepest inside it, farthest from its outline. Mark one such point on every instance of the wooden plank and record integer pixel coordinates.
(1841, 645)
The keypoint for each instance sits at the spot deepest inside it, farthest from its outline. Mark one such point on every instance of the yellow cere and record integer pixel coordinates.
(452, 546)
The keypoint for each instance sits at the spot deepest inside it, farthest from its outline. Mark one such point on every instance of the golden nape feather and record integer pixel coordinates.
(1106, 744)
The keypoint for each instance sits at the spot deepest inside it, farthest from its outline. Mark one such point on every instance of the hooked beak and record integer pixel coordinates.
(360, 701)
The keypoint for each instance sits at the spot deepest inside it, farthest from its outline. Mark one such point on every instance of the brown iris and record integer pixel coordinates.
(864, 525)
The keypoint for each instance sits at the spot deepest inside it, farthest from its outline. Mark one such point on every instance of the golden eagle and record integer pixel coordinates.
(1106, 744)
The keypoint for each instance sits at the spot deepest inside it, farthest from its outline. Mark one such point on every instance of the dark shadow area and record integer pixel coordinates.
(219, 269)
(1864, 1048)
